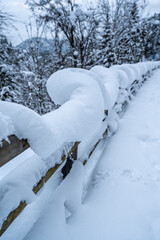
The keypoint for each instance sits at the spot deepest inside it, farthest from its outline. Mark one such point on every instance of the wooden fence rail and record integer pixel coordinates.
(18, 146)
(11, 148)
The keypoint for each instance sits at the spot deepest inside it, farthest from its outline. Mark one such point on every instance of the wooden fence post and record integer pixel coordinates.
(70, 159)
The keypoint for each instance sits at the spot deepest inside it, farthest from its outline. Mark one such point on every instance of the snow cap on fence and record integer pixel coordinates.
(83, 94)
(31, 126)
(80, 115)
(109, 78)
(82, 111)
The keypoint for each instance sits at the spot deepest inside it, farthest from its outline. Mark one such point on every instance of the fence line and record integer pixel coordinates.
(15, 146)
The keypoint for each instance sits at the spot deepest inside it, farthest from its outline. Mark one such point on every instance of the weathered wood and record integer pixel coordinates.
(74, 148)
(94, 148)
(9, 150)
(12, 216)
(45, 178)
(75, 151)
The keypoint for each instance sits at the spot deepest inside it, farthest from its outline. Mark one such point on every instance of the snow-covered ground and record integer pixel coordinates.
(116, 196)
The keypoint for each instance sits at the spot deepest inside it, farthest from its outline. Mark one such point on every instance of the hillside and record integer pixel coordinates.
(44, 45)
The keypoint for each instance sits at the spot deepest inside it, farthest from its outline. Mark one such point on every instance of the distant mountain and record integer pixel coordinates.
(44, 44)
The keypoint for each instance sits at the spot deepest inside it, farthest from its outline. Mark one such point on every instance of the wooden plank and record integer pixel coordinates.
(12, 216)
(45, 178)
(9, 150)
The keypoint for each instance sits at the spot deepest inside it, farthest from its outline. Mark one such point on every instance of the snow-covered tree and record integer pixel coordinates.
(152, 38)
(127, 27)
(135, 33)
(9, 66)
(76, 26)
(106, 52)
(144, 34)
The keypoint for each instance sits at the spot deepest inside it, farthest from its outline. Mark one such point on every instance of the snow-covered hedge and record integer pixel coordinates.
(84, 97)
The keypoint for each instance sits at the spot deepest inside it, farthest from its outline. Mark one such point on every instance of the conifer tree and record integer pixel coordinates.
(106, 54)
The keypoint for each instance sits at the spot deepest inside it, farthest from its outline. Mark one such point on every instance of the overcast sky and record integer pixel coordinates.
(21, 13)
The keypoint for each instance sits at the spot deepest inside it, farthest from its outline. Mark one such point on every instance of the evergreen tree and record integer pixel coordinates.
(144, 34)
(128, 32)
(152, 38)
(135, 33)
(106, 54)
(9, 68)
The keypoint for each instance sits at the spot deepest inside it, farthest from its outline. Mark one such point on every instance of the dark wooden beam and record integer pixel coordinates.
(11, 149)
(71, 157)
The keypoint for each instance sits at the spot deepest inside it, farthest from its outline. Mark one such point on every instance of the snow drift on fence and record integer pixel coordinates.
(82, 109)
(81, 113)
(110, 82)
(29, 125)
(84, 95)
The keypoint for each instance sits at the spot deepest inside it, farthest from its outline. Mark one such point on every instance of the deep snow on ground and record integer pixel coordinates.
(119, 187)
(124, 198)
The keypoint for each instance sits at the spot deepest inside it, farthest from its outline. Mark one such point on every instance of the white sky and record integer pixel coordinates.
(21, 13)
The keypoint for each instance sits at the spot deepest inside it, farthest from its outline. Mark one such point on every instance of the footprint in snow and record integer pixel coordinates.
(127, 173)
(146, 138)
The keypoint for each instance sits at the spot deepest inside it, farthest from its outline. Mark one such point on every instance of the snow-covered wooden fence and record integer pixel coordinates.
(16, 146)
(91, 102)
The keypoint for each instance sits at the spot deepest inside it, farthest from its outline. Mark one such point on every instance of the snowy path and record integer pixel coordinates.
(123, 197)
